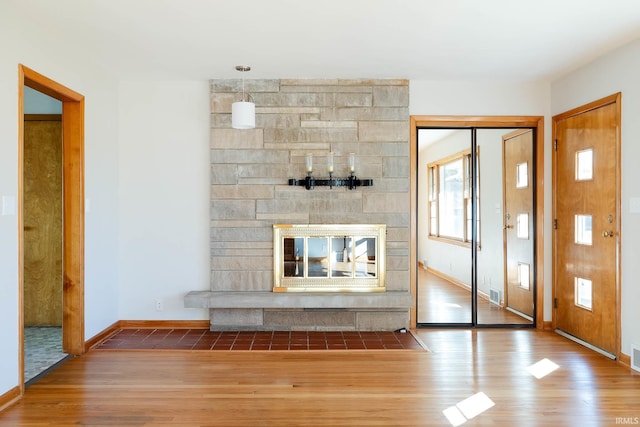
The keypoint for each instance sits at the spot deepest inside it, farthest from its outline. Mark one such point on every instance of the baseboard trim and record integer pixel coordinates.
(164, 324)
(456, 282)
(101, 336)
(547, 326)
(9, 398)
(625, 360)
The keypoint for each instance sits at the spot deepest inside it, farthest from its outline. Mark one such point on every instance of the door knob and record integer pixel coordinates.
(507, 227)
(607, 234)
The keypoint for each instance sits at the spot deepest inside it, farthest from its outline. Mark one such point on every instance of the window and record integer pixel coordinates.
(451, 194)
(450, 203)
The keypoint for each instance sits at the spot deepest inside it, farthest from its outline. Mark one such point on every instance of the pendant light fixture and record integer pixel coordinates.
(243, 112)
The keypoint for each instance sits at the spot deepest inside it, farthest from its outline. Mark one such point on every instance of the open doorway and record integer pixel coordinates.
(71, 285)
(467, 246)
(42, 211)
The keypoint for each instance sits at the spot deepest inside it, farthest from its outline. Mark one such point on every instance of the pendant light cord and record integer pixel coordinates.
(243, 69)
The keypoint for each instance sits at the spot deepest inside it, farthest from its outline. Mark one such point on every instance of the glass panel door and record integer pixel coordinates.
(476, 227)
(444, 227)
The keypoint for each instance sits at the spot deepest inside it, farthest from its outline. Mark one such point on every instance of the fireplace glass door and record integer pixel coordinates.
(329, 257)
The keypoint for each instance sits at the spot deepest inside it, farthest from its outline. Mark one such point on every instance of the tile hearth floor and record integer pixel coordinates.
(203, 339)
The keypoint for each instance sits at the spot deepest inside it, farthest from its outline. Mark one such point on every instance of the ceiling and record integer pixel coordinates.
(515, 40)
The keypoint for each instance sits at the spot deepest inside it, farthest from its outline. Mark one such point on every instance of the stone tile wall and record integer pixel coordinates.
(250, 192)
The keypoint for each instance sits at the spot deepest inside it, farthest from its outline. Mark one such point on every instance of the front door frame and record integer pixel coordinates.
(73, 206)
(616, 99)
(534, 122)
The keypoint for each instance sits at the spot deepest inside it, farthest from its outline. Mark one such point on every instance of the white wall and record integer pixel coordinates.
(164, 197)
(489, 98)
(616, 72)
(31, 45)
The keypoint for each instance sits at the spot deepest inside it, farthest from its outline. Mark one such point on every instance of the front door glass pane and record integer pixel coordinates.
(522, 176)
(584, 165)
(522, 225)
(523, 275)
(583, 294)
(583, 230)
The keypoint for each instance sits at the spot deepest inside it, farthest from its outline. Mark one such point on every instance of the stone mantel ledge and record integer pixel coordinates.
(284, 300)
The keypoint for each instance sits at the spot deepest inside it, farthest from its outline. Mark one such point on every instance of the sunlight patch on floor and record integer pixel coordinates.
(542, 368)
(468, 409)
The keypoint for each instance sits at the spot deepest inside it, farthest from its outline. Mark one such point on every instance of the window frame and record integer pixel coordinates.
(434, 197)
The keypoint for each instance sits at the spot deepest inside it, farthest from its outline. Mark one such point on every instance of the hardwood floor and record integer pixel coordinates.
(338, 388)
(440, 301)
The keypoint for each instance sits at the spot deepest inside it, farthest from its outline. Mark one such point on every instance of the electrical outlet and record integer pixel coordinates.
(159, 305)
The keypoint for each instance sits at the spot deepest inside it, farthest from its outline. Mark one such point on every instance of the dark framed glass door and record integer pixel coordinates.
(476, 227)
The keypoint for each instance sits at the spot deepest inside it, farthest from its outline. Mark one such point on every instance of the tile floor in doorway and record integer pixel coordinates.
(42, 349)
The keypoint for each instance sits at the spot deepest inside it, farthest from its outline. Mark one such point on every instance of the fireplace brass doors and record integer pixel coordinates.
(329, 257)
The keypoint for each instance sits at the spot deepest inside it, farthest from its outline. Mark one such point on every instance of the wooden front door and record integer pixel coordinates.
(586, 222)
(518, 221)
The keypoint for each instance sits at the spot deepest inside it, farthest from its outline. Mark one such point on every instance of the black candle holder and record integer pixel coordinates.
(351, 182)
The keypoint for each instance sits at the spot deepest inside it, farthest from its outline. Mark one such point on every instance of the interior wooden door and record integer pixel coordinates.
(518, 221)
(43, 221)
(586, 223)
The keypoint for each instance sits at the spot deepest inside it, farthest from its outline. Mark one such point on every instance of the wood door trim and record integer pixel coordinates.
(73, 200)
(535, 122)
(49, 87)
(514, 134)
(43, 117)
(615, 98)
(607, 100)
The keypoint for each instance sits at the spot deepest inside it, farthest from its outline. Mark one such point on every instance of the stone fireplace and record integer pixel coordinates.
(250, 170)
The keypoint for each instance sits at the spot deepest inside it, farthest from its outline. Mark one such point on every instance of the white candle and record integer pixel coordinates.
(352, 162)
(309, 162)
(330, 162)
